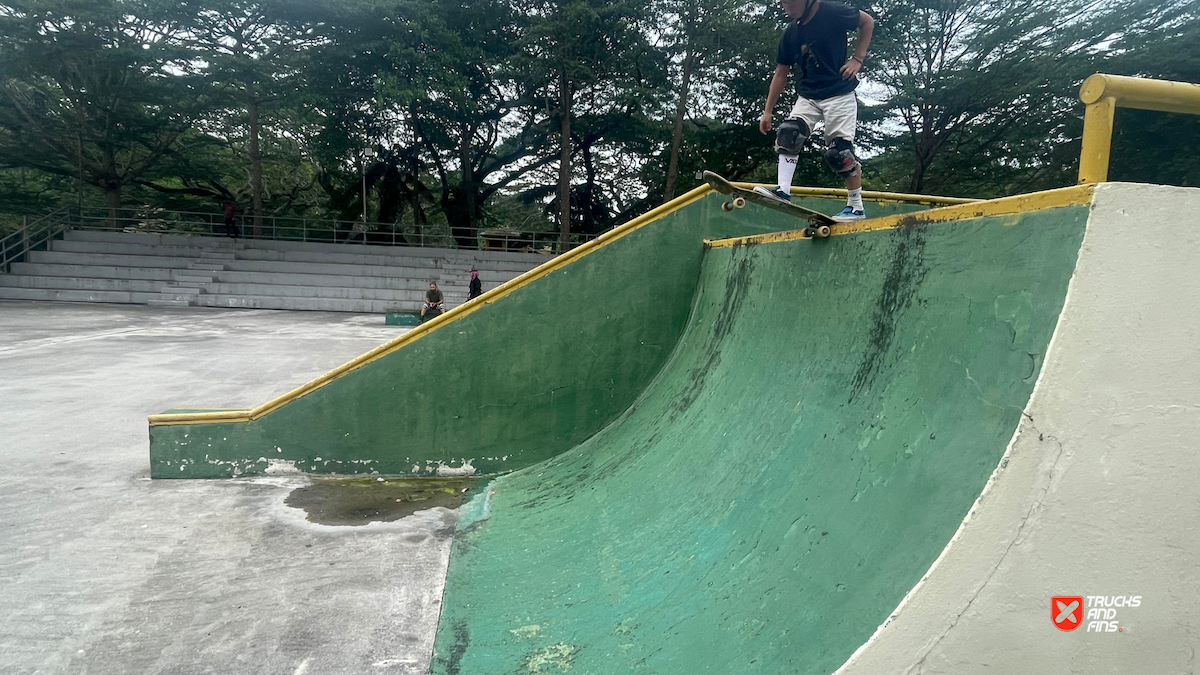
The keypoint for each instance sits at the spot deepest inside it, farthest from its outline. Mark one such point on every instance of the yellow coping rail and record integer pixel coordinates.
(1103, 94)
(233, 415)
(1076, 195)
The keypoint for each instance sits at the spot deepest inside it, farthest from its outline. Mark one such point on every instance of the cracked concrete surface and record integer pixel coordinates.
(104, 571)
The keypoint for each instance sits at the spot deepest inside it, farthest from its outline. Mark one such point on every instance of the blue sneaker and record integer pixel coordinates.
(776, 192)
(849, 215)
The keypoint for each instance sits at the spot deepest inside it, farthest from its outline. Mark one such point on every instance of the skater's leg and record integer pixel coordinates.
(789, 140)
(794, 131)
(841, 118)
(854, 191)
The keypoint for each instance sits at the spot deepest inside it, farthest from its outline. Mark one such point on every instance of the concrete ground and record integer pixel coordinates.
(103, 570)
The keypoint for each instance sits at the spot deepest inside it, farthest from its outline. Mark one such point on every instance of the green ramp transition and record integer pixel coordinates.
(825, 421)
(521, 374)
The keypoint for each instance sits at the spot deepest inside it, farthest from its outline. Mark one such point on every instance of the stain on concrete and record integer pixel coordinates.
(359, 501)
(737, 287)
(904, 277)
(462, 640)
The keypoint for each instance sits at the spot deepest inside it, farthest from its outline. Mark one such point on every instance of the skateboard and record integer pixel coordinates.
(818, 223)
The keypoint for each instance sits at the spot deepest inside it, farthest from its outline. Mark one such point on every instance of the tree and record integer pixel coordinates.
(985, 91)
(567, 48)
(98, 92)
(254, 49)
(706, 37)
(1151, 146)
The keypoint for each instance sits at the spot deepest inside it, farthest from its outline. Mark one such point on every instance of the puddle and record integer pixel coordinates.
(358, 501)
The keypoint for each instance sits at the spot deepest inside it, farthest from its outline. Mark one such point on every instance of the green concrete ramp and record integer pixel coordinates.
(520, 374)
(827, 417)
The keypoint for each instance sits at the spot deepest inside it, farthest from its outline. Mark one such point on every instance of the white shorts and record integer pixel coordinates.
(839, 113)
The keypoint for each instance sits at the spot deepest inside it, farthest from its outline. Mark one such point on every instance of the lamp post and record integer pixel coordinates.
(368, 155)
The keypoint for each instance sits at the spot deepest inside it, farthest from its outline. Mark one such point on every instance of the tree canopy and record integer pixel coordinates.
(550, 115)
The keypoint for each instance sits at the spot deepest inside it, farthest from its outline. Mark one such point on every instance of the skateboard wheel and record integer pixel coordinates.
(739, 202)
(727, 206)
(823, 231)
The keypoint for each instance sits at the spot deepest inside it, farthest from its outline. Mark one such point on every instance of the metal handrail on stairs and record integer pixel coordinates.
(34, 235)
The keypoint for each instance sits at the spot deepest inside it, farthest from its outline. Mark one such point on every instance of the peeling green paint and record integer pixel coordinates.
(831, 412)
(519, 380)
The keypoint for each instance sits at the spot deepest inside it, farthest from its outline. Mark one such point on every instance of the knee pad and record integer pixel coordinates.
(840, 155)
(791, 136)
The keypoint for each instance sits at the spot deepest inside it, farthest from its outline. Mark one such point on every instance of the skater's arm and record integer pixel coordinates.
(778, 82)
(866, 27)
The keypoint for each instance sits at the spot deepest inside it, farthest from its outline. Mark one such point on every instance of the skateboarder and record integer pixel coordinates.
(816, 42)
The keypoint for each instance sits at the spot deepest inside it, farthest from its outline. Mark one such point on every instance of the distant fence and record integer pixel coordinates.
(291, 228)
(36, 234)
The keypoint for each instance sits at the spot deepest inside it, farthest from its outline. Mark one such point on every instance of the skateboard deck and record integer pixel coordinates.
(818, 223)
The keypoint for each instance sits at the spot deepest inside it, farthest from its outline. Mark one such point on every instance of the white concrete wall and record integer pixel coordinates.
(1099, 493)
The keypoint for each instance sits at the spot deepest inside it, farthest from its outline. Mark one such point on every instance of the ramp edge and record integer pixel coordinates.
(1078, 195)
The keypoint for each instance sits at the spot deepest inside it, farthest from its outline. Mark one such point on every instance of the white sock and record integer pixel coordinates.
(787, 169)
(854, 199)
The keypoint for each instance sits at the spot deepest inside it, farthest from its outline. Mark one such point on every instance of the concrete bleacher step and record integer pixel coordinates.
(414, 296)
(117, 297)
(131, 248)
(348, 281)
(175, 270)
(488, 258)
(82, 284)
(306, 304)
(192, 278)
(168, 302)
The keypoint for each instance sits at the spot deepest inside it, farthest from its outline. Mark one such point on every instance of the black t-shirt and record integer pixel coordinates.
(819, 48)
(433, 297)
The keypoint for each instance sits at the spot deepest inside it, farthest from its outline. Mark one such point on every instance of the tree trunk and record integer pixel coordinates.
(589, 216)
(112, 197)
(564, 163)
(689, 63)
(468, 237)
(256, 168)
(917, 183)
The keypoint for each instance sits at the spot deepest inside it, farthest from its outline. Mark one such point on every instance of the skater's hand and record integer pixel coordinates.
(851, 68)
(764, 124)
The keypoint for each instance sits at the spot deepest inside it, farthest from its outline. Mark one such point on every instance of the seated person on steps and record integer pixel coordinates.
(433, 300)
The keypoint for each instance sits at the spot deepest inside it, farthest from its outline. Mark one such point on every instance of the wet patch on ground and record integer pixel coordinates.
(359, 501)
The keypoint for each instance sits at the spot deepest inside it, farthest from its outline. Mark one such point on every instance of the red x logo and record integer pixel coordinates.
(1066, 611)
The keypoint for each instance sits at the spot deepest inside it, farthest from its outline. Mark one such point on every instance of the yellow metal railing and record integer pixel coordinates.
(1103, 94)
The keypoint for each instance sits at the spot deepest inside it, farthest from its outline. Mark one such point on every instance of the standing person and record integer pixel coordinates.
(816, 42)
(476, 289)
(231, 228)
(433, 300)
